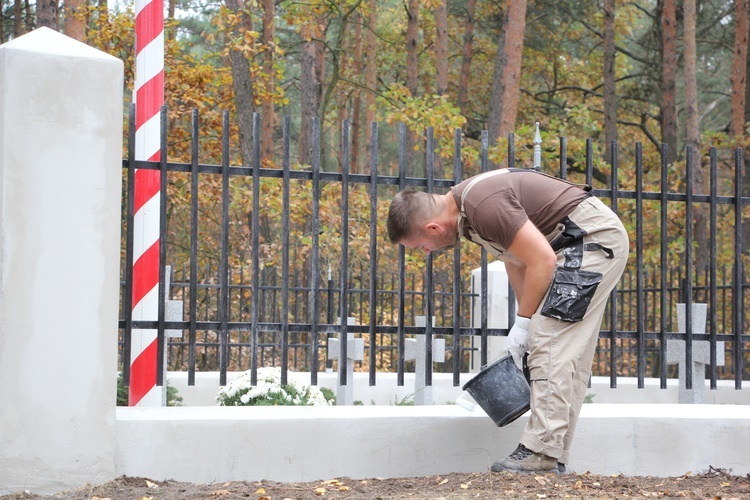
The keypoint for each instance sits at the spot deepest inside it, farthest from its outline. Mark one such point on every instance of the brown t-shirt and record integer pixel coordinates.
(497, 206)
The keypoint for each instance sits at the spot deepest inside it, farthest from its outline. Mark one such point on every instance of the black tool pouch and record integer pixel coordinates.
(570, 293)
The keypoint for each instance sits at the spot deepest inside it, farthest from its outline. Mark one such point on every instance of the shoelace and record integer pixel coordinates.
(520, 453)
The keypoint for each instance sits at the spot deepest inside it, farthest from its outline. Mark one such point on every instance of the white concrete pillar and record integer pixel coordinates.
(60, 189)
(498, 293)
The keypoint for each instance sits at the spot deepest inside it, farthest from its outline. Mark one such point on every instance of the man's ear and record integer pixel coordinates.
(432, 226)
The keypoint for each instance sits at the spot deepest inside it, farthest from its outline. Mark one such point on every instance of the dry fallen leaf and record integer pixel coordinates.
(443, 481)
(464, 486)
(219, 493)
(100, 498)
(151, 485)
(343, 488)
(320, 491)
(260, 491)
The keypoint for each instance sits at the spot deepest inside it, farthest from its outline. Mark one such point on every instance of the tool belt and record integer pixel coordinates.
(572, 289)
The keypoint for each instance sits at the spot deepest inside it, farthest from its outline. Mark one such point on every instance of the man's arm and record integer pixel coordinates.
(531, 270)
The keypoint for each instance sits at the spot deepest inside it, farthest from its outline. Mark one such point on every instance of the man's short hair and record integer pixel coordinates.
(408, 210)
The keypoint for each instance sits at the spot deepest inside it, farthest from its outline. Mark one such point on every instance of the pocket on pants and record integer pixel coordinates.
(570, 294)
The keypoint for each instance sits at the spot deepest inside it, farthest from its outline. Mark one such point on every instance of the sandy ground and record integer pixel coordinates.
(713, 484)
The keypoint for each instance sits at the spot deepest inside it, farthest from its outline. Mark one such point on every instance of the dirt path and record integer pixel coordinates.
(714, 484)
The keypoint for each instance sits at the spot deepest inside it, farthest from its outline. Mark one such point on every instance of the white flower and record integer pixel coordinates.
(269, 390)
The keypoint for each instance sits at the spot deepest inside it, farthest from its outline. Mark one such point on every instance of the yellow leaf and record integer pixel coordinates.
(320, 491)
(343, 488)
(465, 486)
(260, 491)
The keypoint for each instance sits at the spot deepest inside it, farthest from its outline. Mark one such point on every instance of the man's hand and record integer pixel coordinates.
(518, 340)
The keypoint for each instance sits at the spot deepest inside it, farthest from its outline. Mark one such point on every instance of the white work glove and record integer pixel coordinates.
(518, 340)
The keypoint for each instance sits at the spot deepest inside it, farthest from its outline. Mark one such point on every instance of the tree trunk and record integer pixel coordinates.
(496, 96)
(693, 132)
(74, 25)
(268, 113)
(468, 53)
(610, 93)
(412, 70)
(170, 16)
(669, 78)
(370, 76)
(512, 72)
(242, 83)
(441, 47)
(739, 70)
(343, 100)
(46, 13)
(356, 166)
(310, 98)
(441, 69)
(507, 77)
(17, 18)
(746, 158)
(103, 12)
(691, 85)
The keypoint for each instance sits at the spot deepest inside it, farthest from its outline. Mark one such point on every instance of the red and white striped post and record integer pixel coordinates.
(149, 98)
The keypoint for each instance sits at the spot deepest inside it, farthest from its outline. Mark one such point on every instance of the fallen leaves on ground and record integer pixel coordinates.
(718, 484)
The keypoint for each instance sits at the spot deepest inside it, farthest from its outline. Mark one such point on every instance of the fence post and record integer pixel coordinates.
(61, 172)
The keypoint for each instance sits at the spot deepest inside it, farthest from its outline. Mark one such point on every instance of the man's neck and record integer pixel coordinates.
(450, 209)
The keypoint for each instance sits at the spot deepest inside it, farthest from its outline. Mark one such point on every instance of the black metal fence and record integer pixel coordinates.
(267, 282)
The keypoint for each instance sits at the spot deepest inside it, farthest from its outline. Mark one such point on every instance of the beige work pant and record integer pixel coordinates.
(561, 352)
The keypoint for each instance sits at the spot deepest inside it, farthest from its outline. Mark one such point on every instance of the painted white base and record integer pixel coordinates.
(387, 392)
(212, 444)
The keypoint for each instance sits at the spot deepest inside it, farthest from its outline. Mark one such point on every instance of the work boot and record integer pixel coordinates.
(525, 460)
(560, 468)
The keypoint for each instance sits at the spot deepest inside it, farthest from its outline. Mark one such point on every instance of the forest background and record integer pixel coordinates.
(650, 72)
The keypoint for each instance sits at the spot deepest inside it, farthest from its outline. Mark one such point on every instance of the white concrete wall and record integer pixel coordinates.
(60, 189)
(625, 430)
(214, 444)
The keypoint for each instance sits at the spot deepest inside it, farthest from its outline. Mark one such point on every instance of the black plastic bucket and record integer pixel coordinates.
(501, 390)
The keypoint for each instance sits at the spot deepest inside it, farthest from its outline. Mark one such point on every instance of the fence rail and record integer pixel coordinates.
(278, 308)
